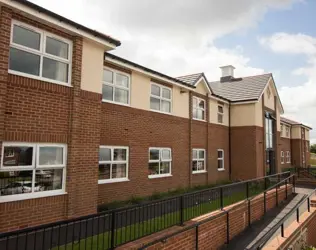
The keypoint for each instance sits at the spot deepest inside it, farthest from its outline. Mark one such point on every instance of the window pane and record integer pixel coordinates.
(153, 168)
(121, 95)
(24, 62)
(105, 154)
(107, 92)
(271, 141)
(220, 164)
(154, 103)
(165, 106)
(46, 180)
(195, 154)
(15, 182)
(17, 156)
(201, 104)
(118, 171)
(104, 171)
(220, 109)
(165, 168)
(107, 76)
(219, 154)
(155, 90)
(56, 48)
(267, 141)
(220, 118)
(154, 154)
(165, 154)
(201, 154)
(195, 113)
(51, 156)
(200, 165)
(195, 166)
(121, 80)
(195, 102)
(166, 93)
(120, 154)
(200, 114)
(55, 70)
(26, 37)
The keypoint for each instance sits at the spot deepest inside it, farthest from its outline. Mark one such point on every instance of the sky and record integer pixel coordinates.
(182, 37)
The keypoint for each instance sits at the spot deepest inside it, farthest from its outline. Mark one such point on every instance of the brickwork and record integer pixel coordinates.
(311, 231)
(296, 152)
(285, 145)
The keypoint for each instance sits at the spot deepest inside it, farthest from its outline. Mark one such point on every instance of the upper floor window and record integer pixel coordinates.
(159, 162)
(282, 129)
(38, 54)
(198, 160)
(220, 113)
(287, 131)
(115, 87)
(198, 108)
(269, 131)
(160, 98)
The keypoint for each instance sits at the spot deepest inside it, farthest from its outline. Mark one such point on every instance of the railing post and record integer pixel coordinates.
(286, 189)
(298, 214)
(227, 228)
(197, 237)
(264, 203)
(249, 213)
(181, 210)
(247, 189)
(294, 177)
(276, 196)
(265, 183)
(282, 230)
(222, 201)
(113, 230)
(308, 205)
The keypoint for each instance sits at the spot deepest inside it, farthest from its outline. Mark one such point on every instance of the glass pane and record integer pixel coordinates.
(122, 80)
(165, 106)
(26, 37)
(267, 141)
(165, 168)
(121, 95)
(200, 114)
(154, 154)
(271, 141)
(219, 154)
(51, 156)
(200, 165)
(220, 109)
(107, 76)
(201, 104)
(104, 171)
(195, 166)
(46, 180)
(195, 102)
(165, 154)
(118, 171)
(105, 154)
(120, 154)
(15, 182)
(220, 164)
(107, 92)
(195, 113)
(154, 103)
(195, 154)
(166, 93)
(220, 118)
(17, 156)
(153, 168)
(55, 70)
(56, 47)
(24, 62)
(155, 90)
(201, 154)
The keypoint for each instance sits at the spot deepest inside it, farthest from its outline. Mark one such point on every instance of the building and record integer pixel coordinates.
(80, 127)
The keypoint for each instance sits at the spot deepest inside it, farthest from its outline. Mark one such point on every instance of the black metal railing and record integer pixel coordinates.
(297, 210)
(303, 172)
(195, 228)
(109, 229)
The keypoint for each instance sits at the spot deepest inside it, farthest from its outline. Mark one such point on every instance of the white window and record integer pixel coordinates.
(282, 130)
(220, 113)
(113, 164)
(115, 87)
(287, 131)
(198, 161)
(282, 157)
(198, 108)
(160, 98)
(38, 54)
(220, 159)
(159, 162)
(288, 157)
(30, 169)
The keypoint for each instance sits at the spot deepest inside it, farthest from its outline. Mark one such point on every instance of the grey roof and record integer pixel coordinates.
(241, 89)
(291, 122)
(190, 79)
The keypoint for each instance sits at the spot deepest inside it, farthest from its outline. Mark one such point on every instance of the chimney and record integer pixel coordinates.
(227, 73)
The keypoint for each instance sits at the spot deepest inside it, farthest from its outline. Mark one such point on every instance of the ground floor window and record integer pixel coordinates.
(198, 160)
(220, 159)
(288, 157)
(159, 162)
(28, 168)
(282, 157)
(113, 164)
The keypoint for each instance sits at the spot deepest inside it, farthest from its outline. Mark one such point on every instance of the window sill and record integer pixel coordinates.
(117, 103)
(113, 181)
(199, 120)
(19, 197)
(159, 176)
(221, 169)
(199, 172)
(12, 72)
(160, 112)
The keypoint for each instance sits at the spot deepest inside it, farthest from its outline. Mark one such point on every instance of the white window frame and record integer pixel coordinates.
(287, 131)
(34, 167)
(288, 157)
(220, 114)
(282, 130)
(114, 86)
(198, 108)
(221, 159)
(282, 157)
(113, 180)
(160, 98)
(198, 160)
(42, 53)
(152, 176)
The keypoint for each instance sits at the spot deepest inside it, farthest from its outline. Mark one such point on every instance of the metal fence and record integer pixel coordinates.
(107, 230)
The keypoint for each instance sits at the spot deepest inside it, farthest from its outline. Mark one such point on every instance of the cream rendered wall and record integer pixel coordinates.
(269, 102)
(92, 66)
(259, 113)
(296, 132)
(307, 135)
(201, 88)
(213, 108)
(278, 118)
(243, 115)
(180, 102)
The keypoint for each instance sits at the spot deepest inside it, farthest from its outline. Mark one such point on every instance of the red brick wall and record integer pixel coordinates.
(296, 152)
(311, 231)
(285, 145)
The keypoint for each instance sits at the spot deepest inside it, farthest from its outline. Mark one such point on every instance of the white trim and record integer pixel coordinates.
(199, 172)
(282, 157)
(160, 160)
(219, 113)
(117, 180)
(160, 98)
(154, 176)
(19, 197)
(243, 102)
(222, 159)
(198, 108)
(288, 157)
(218, 99)
(205, 83)
(199, 159)
(221, 169)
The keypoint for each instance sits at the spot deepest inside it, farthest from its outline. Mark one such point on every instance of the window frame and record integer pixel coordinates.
(153, 176)
(199, 159)
(113, 180)
(198, 108)
(115, 72)
(160, 98)
(220, 114)
(287, 131)
(282, 157)
(42, 53)
(288, 157)
(222, 159)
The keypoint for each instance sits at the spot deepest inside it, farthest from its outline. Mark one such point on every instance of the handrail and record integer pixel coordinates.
(264, 239)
